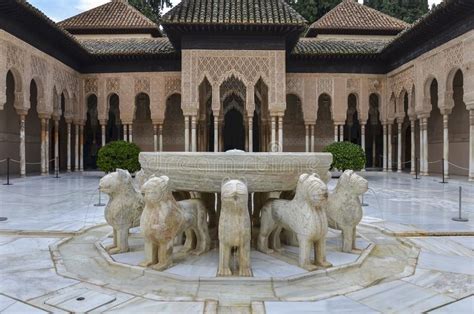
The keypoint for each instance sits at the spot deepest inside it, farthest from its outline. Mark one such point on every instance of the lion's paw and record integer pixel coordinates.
(224, 272)
(245, 272)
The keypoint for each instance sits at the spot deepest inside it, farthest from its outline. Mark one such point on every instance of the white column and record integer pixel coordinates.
(425, 145)
(389, 143)
(273, 132)
(193, 134)
(81, 147)
(413, 146)
(155, 137)
(312, 126)
(102, 131)
(446, 145)
(280, 133)
(385, 159)
(250, 134)
(22, 147)
(306, 137)
(47, 146)
(186, 133)
(160, 130)
(341, 133)
(362, 135)
(130, 133)
(69, 147)
(125, 132)
(43, 146)
(399, 148)
(56, 146)
(336, 133)
(216, 133)
(471, 145)
(422, 147)
(76, 159)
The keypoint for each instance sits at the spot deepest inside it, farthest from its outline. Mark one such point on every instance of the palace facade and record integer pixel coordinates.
(243, 74)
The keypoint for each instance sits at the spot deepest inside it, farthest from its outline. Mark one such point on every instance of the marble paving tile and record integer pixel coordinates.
(465, 241)
(453, 264)
(140, 305)
(20, 307)
(465, 305)
(399, 296)
(453, 285)
(339, 304)
(266, 266)
(81, 300)
(335, 257)
(5, 302)
(442, 246)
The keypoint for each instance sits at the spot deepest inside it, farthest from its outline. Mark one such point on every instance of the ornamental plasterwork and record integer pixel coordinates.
(353, 85)
(142, 85)
(38, 66)
(112, 85)
(90, 86)
(172, 85)
(294, 86)
(402, 80)
(325, 85)
(15, 57)
(374, 85)
(232, 85)
(454, 56)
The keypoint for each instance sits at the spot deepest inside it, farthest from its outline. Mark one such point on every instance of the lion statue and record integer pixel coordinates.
(124, 208)
(164, 218)
(344, 209)
(234, 228)
(304, 215)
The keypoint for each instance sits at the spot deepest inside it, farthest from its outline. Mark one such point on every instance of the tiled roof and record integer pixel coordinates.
(242, 12)
(129, 46)
(114, 15)
(324, 47)
(350, 15)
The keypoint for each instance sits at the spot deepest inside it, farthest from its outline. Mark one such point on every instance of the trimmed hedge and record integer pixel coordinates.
(119, 154)
(346, 155)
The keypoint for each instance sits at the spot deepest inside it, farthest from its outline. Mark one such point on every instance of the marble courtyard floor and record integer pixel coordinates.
(414, 257)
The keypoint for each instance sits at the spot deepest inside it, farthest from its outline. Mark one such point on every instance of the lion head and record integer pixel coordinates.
(235, 190)
(311, 188)
(156, 189)
(353, 183)
(115, 181)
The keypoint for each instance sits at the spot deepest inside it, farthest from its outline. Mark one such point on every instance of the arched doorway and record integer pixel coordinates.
(233, 130)
(294, 126)
(92, 134)
(173, 125)
(324, 129)
(114, 128)
(406, 136)
(435, 131)
(374, 134)
(33, 133)
(142, 124)
(352, 125)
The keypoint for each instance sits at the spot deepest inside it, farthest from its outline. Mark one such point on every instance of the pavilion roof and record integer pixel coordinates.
(128, 46)
(117, 16)
(333, 47)
(351, 17)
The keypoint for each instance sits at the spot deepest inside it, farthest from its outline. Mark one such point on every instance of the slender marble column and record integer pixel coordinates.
(22, 147)
(130, 133)
(336, 133)
(399, 148)
(160, 130)
(312, 126)
(273, 132)
(413, 146)
(69, 147)
(306, 137)
(471, 145)
(81, 147)
(250, 134)
(425, 147)
(193, 134)
(102, 131)
(446, 145)
(385, 159)
(280, 133)
(47, 146)
(362, 135)
(56, 146)
(216, 134)
(43, 147)
(155, 137)
(186, 133)
(341, 133)
(389, 143)
(125, 132)
(76, 143)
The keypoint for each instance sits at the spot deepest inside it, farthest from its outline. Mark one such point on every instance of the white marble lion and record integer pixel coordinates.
(124, 208)
(304, 215)
(344, 209)
(164, 218)
(234, 228)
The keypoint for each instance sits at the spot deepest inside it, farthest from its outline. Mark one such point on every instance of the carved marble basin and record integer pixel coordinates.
(205, 171)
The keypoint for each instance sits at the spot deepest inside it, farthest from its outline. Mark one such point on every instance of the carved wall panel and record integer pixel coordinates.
(325, 85)
(91, 86)
(172, 85)
(142, 85)
(112, 85)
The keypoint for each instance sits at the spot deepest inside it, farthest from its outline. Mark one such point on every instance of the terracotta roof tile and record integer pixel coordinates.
(316, 46)
(352, 17)
(128, 46)
(243, 12)
(114, 15)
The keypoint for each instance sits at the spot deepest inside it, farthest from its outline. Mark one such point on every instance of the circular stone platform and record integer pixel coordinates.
(275, 277)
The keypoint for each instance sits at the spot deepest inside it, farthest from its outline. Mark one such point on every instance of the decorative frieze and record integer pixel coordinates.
(325, 85)
(142, 85)
(15, 57)
(112, 85)
(90, 86)
(38, 66)
(172, 85)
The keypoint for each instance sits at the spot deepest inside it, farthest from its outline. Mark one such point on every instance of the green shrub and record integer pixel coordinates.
(119, 154)
(346, 155)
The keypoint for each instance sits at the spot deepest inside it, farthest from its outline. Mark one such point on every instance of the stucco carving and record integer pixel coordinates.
(234, 226)
(38, 66)
(124, 208)
(142, 85)
(454, 56)
(90, 86)
(353, 85)
(164, 218)
(344, 211)
(325, 85)
(172, 86)
(112, 85)
(295, 86)
(15, 57)
(304, 215)
(401, 80)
